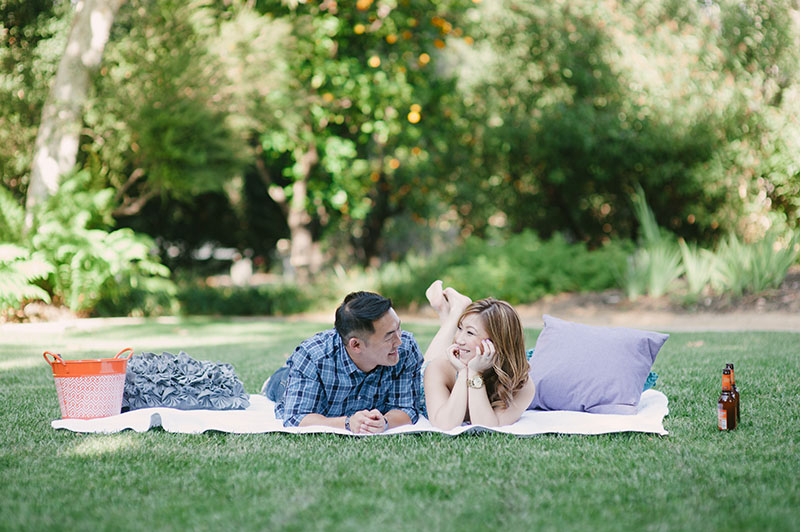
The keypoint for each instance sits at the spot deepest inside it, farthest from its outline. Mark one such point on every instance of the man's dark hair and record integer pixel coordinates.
(358, 311)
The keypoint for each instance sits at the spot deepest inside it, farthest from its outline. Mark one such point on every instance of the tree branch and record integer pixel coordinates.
(133, 178)
(131, 206)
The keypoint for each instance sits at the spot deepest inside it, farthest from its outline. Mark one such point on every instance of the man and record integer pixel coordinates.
(363, 375)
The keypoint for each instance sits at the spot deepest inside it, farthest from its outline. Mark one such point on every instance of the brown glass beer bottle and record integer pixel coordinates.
(726, 405)
(734, 392)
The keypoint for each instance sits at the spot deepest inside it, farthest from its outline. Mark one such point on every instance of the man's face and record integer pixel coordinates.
(380, 348)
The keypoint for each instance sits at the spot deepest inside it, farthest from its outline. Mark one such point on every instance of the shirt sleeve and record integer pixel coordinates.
(304, 391)
(404, 395)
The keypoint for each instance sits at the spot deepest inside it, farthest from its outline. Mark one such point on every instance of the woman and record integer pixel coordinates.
(476, 370)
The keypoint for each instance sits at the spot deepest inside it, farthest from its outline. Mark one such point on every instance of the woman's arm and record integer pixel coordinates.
(449, 312)
(444, 337)
(480, 409)
(446, 408)
(482, 413)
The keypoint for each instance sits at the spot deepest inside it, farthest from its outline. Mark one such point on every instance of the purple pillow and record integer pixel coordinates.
(591, 369)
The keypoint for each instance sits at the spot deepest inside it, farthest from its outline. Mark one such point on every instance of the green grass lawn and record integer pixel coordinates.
(697, 478)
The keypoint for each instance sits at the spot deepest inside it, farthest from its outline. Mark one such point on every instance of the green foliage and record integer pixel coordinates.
(653, 270)
(75, 258)
(753, 268)
(159, 123)
(491, 116)
(656, 264)
(18, 276)
(262, 300)
(575, 103)
(12, 217)
(700, 268)
(21, 271)
(371, 103)
(519, 269)
(92, 263)
(735, 268)
(32, 38)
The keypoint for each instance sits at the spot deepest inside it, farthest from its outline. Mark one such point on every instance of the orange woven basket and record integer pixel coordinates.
(89, 388)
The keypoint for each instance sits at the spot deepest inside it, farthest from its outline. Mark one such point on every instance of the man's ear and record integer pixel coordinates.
(354, 343)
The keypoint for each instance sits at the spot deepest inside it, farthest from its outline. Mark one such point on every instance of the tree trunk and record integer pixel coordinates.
(373, 225)
(56, 147)
(301, 254)
(303, 251)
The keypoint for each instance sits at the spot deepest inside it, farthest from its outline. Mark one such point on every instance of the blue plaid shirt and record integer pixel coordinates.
(323, 379)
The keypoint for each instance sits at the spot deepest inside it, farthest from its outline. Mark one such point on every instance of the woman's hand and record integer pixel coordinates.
(453, 355)
(484, 359)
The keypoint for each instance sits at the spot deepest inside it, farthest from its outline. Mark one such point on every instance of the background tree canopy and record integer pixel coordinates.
(362, 131)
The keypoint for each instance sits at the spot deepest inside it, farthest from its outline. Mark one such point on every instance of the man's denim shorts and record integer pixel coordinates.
(276, 385)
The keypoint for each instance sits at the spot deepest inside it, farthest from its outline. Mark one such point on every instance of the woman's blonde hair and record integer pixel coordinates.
(510, 371)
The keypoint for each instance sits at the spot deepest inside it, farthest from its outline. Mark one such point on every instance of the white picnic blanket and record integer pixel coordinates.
(260, 417)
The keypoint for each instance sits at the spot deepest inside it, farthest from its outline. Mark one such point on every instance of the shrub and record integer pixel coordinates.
(18, 271)
(91, 263)
(521, 269)
(656, 264)
(758, 266)
(699, 267)
(79, 260)
(735, 268)
(267, 299)
(653, 270)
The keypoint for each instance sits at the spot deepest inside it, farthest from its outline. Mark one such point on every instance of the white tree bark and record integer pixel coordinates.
(56, 147)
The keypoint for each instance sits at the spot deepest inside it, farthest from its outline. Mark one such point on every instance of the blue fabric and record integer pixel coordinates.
(179, 381)
(651, 380)
(276, 386)
(323, 379)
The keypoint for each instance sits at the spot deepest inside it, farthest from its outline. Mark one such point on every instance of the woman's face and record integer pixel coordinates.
(468, 337)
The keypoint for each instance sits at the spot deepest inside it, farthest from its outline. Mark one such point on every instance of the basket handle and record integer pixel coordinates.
(129, 354)
(56, 358)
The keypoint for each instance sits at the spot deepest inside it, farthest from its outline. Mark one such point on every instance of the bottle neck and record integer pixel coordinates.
(733, 375)
(726, 382)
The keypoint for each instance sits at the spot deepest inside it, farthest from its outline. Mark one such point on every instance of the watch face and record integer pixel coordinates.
(476, 381)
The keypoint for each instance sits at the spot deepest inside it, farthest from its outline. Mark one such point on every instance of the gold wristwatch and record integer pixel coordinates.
(475, 382)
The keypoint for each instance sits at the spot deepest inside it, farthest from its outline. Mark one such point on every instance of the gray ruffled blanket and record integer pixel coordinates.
(179, 381)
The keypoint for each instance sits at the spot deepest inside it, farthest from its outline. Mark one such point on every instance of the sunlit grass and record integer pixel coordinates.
(59, 480)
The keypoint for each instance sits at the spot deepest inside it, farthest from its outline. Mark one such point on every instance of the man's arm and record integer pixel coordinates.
(362, 422)
(397, 418)
(305, 398)
(304, 393)
(319, 419)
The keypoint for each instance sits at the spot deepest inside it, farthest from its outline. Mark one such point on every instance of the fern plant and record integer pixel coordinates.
(19, 273)
(19, 270)
(12, 217)
(91, 263)
(75, 256)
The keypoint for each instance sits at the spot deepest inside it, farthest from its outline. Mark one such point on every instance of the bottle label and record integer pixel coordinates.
(722, 418)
